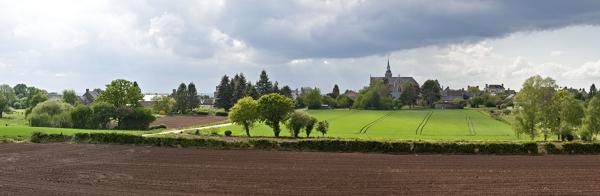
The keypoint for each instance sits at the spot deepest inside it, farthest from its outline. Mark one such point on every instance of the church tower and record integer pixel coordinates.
(388, 72)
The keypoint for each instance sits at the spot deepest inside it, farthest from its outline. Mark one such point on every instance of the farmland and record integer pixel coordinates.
(403, 125)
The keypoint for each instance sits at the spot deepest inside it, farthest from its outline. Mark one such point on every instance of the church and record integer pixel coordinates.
(394, 83)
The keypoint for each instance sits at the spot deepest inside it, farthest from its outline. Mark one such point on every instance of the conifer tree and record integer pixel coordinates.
(181, 99)
(193, 100)
(263, 85)
(223, 98)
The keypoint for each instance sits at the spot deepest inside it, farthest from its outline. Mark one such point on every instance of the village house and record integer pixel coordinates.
(494, 88)
(90, 96)
(394, 83)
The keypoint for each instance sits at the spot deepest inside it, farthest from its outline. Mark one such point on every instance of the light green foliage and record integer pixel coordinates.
(51, 114)
(245, 113)
(298, 120)
(375, 96)
(531, 100)
(330, 101)
(310, 125)
(323, 127)
(273, 109)
(312, 99)
(70, 97)
(164, 104)
(344, 101)
(592, 119)
(121, 93)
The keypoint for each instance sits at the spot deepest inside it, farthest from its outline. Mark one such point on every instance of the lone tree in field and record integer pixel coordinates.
(263, 85)
(431, 92)
(181, 99)
(245, 113)
(224, 93)
(323, 127)
(530, 102)
(274, 109)
(592, 119)
(121, 93)
(298, 120)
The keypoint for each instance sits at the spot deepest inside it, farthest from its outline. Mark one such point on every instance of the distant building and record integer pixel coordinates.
(394, 83)
(90, 96)
(451, 95)
(351, 94)
(494, 88)
(54, 96)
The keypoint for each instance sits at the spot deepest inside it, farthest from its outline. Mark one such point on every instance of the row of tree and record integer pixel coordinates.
(542, 107)
(273, 109)
(229, 91)
(377, 95)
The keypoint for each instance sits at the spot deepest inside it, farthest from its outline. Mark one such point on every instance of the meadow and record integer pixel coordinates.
(451, 125)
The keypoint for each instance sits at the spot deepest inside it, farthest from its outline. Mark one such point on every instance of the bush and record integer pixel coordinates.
(82, 117)
(51, 114)
(222, 114)
(581, 148)
(135, 119)
(228, 133)
(157, 127)
(39, 137)
(552, 149)
(202, 113)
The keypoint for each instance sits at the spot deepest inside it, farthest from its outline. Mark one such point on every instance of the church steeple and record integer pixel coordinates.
(388, 72)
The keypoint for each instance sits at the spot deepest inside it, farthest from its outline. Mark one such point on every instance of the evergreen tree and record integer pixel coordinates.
(336, 91)
(181, 99)
(276, 88)
(238, 86)
(593, 91)
(251, 91)
(286, 91)
(193, 100)
(223, 98)
(263, 85)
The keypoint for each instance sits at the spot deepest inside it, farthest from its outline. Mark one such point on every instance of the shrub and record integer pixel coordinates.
(157, 127)
(51, 114)
(222, 114)
(103, 112)
(323, 127)
(202, 113)
(552, 149)
(228, 133)
(581, 148)
(39, 137)
(135, 119)
(82, 117)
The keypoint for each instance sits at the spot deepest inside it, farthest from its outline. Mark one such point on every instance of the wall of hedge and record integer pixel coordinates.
(331, 145)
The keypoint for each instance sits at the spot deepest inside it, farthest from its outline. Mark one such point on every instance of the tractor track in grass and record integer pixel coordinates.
(364, 129)
(470, 125)
(419, 130)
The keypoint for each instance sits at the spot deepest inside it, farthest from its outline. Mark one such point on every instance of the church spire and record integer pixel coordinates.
(388, 72)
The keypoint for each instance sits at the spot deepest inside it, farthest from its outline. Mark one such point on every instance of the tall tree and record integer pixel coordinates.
(70, 97)
(286, 91)
(238, 86)
(263, 85)
(529, 102)
(312, 98)
(121, 93)
(3, 104)
(20, 90)
(9, 93)
(409, 94)
(274, 109)
(276, 88)
(192, 94)
(431, 92)
(593, 91)
(592, 116)
(336, 91)
(251, 91)
(182, 99)
(162, 104)
(224, 93)
(374, 96)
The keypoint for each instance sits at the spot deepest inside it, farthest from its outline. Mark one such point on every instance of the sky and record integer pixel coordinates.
(76, 44)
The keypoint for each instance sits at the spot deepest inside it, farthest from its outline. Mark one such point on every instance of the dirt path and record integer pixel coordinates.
(76, 169)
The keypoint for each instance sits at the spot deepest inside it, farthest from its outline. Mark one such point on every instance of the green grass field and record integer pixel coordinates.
(15, 126)
(402, 125)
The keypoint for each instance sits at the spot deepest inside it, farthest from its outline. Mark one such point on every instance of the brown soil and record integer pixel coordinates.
(78, 169)
(173, 122)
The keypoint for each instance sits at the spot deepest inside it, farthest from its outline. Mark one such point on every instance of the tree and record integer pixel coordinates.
(3, 104)
(374, 96)
(224, 93)
(344, 101)
(51, 114)
(571, 115)
(328, 100)
(593, 91)
(592, 116)
(476, 101)
(103, 112)
(181, 99)
(121, 93)
(273, 109)
(409, 94)
(276, 88)
(431, 92)
(286, 91)
(164, 104)
(310, 124)
(70, 97)
(245, 113)
(238, 87)
(263, 85)
(137, 118)
(335, 92)
(312, 99)
(297, 121)
(83, 117)
(39, 97)
(323, 127)
(251, 91)
(192, 95)
(20, 90)
(529, 103)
